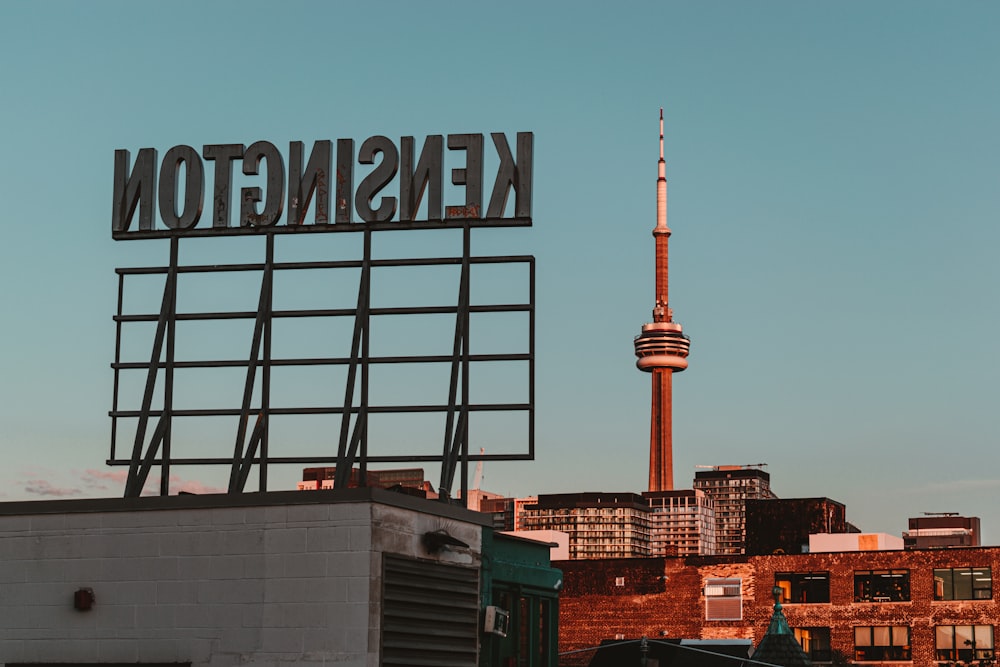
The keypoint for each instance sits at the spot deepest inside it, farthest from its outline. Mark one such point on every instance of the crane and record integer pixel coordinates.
(759, 466)
(477, 478)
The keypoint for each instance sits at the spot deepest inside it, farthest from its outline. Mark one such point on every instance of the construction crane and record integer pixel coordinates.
(477, 478)
(759, 466)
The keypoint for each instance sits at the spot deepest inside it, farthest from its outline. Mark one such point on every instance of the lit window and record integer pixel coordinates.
(799, 587)
(877, 643)
(964, 642)
(963, 583)
(815, 642)
(882, 586)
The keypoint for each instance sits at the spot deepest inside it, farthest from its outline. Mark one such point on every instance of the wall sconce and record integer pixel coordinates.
(439, 539)
(83, 599)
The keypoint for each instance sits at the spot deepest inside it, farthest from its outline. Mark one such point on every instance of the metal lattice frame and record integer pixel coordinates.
(352, 447)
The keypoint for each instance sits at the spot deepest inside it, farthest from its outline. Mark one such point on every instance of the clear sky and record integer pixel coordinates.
(834, 173)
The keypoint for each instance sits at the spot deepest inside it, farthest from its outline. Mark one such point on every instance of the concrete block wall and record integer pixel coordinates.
(261, 585)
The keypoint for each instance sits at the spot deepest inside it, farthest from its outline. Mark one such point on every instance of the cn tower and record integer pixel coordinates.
(661, 349)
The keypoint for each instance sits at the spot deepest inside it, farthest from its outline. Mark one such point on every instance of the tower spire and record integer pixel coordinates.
(662, 348)
(661, 185)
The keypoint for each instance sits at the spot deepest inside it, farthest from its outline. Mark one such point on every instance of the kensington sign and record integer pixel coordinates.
(308, 180)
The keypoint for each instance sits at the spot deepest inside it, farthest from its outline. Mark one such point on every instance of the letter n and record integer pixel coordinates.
(303, 182)
(137, 187)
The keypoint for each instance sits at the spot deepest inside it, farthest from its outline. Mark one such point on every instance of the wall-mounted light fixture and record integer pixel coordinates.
(83, 599)
(437, 540)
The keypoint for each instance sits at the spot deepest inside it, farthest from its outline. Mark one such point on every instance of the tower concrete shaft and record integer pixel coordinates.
(662, 348)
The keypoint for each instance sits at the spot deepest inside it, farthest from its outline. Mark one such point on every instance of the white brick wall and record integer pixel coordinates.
(221, 586)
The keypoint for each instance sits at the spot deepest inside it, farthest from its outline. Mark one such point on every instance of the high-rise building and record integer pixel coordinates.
(730, 487)
(662, 348)
(683, 523)
(599, 525)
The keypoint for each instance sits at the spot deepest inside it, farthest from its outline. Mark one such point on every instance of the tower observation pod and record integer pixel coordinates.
(661, 349)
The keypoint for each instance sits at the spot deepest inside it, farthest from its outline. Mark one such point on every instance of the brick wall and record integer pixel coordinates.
(665, 597)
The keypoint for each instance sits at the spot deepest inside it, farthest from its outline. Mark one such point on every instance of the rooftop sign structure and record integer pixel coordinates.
(398, 189)
(137, 188)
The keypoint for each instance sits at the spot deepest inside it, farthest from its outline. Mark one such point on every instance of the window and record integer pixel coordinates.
(882, 586)
(815, 642)
(964, 642)
(963, 583)
(803, 586)
(619, 581)
(723, 600)
(876, 643)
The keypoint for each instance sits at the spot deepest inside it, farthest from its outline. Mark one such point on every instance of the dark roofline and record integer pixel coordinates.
(590, 499)
(674, 493)
(266, 499)
(726, 474)
(786, 500)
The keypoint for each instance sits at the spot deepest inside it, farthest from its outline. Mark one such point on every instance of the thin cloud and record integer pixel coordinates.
(94, 482)
(43, 487)
(114, 480)
(954, 486)
(95, 479)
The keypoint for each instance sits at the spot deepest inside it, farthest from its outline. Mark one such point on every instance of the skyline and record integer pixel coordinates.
(834, 204)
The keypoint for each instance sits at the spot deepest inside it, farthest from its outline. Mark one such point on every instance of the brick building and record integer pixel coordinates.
(920, 607)
(508, 513)
(776, 525)
(401, 479)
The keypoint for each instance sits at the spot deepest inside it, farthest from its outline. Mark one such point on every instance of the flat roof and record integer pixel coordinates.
(256, 499)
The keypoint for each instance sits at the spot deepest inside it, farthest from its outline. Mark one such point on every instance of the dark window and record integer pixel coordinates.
(963, 583)
(815, 642)
(963, 642)
(803, 586)
(876, 643)
(882, 586)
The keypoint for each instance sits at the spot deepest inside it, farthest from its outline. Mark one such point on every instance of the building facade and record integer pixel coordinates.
(777, 525)
(945, 529)
(507, 513)
(599, 525)
(356, 577)
(406, 479)
(683, 523)
(730, 487)
(923, 608)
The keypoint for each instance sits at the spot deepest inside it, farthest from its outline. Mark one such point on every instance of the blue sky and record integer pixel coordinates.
(834, 197)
